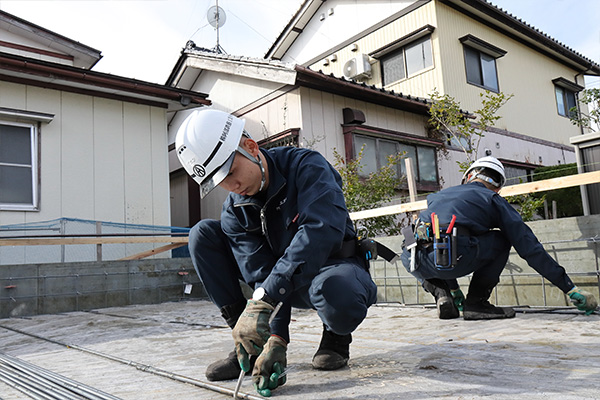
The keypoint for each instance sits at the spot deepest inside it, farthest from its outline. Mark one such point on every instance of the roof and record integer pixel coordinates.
(481, 10)
(83, 56)
(287, 73)
(27, 71)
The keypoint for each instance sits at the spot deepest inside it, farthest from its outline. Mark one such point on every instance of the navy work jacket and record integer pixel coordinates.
(284, 238)
(480, 209)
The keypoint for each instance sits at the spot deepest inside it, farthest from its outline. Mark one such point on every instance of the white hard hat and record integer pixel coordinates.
(206, 144)
(478, 167)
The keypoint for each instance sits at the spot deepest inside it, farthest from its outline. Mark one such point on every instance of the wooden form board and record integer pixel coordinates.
(522, 188)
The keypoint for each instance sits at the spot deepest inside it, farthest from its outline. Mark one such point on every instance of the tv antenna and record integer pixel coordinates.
(216, 18)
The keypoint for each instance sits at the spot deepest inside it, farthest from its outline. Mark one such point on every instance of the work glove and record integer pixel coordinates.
(458, 297)
(252, 331)
(583, 300)
(269, 366)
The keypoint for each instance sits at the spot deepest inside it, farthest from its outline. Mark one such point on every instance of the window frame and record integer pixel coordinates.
(383, 59)
(34, 166)
(568, 88)
(352, 148)
(481, 49)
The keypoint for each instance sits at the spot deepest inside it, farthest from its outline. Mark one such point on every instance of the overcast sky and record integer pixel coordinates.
(142, 39)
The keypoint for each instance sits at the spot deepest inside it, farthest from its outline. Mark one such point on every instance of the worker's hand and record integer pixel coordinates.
(583, 300)
(458, 297)
(252, 331)
(269, 366)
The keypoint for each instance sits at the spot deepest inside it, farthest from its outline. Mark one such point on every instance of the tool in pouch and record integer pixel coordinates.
(426, 234)
(238, 385)
(444, 243)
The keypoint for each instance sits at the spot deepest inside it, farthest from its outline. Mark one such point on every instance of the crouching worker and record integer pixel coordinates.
(285, 231)
(470, 228)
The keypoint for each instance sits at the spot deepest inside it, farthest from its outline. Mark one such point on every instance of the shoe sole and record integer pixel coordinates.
(474, 315)
(447, 309)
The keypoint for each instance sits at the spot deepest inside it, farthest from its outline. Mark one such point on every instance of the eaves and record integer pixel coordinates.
(360, 91)
(39, 73)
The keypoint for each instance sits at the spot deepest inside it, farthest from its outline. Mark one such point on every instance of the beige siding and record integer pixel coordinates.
(100, 159)
(522, 72)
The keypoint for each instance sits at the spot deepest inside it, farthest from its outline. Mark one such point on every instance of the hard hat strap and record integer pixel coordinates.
(256, 161)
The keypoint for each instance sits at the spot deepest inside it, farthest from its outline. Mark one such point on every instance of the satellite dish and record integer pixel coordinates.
(216, 16)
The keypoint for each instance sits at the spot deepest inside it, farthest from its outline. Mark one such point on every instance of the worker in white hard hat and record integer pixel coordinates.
(286, 232)
(470, 228)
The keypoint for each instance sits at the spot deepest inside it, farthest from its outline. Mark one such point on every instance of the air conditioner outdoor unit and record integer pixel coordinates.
(358, 67)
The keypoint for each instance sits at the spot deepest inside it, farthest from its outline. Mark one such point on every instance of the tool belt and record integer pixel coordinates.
(431, 236)
(368, 249)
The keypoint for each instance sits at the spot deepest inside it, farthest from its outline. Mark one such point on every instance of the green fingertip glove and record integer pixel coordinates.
(252, 331)
(459, 298)
(583, 300)
(269, 365)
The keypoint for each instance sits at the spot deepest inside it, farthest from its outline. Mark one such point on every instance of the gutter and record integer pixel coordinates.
(52, 72)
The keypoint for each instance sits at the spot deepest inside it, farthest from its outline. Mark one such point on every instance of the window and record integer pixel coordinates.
(564, 91)
(481, 69)
(376, 151)
(480, 62)
(565, 100)
(18, 166)
(407, 61)
(516, 174)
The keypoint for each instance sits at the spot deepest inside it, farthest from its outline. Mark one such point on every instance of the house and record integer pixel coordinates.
(75, 143)
(318, 82)
(460, 48)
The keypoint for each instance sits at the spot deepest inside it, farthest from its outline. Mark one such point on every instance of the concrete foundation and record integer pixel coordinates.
(54, 288)
(573, 242)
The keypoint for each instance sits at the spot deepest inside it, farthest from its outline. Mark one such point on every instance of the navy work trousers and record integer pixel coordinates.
(341, 292)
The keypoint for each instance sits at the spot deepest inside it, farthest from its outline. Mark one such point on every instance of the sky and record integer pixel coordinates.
(142, 39)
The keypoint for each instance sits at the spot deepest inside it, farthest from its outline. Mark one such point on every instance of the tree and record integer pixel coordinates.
(591, 120)
(465, 130)
(371, 192)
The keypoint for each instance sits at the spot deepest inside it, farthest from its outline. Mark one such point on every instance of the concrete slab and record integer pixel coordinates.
(398, 352)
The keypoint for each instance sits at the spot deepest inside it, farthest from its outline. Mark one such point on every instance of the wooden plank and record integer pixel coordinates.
(550, 184)
(152, 252)
(88, 240)
(522, 188)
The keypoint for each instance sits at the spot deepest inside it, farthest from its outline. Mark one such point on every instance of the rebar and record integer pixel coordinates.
(141, 367)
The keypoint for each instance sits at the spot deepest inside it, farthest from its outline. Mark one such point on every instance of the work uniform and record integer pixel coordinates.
(288, 239)
(489, 226)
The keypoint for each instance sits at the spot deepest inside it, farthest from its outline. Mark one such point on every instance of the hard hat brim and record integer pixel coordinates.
(216, 177)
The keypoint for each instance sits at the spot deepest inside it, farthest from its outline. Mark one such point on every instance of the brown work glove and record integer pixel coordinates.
(252, 331)
(269, 366)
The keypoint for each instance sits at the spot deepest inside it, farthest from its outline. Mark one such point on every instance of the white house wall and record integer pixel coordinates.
(347, 19)
(100, 159)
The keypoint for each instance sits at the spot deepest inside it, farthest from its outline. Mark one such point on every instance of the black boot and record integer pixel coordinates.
(333, 352)
(443, 298)
(476, 306)
(229, 368)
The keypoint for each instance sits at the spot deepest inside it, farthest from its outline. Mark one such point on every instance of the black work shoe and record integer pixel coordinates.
(333, 352)
(226, 369)
(443, 298)
(485, 310)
